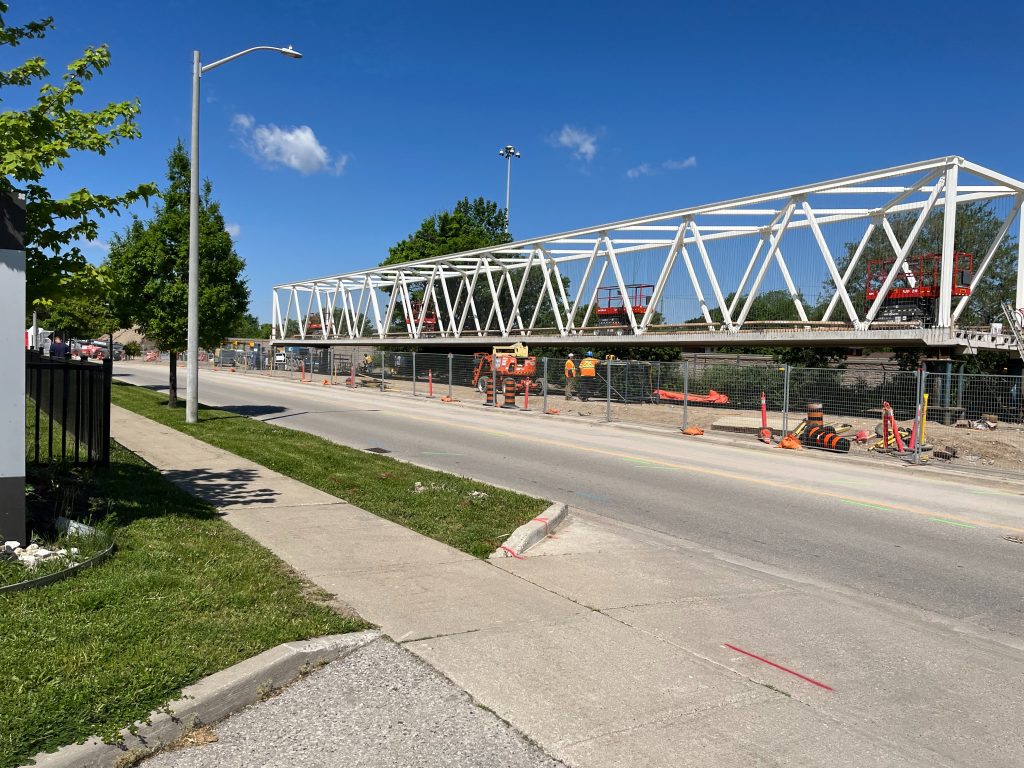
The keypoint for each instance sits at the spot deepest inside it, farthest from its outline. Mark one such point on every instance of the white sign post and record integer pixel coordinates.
(12, 375)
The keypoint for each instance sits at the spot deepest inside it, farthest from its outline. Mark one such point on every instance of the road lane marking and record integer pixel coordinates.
(951, 522)
(868, 504)
(810, 680)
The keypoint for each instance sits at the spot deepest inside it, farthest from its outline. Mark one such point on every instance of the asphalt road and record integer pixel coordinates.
(926, 543)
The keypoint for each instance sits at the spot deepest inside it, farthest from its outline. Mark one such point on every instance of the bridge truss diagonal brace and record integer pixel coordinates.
(901, 257)
(774, 238)
(614, 262)
(715, 288)
(979, 272)
(546, 264)
(666, 271)
(582, 287)
(826, 254)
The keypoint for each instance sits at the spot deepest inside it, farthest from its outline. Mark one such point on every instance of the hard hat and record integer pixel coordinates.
(590, 354)
(570, 354)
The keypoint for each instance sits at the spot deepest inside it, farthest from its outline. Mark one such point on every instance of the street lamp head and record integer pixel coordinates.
(291, 52)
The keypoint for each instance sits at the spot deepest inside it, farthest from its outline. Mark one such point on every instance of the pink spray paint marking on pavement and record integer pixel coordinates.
(512, 552)
(810, 680)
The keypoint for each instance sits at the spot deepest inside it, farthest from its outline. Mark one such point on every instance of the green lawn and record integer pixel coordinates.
(184, 596)
(381, 485)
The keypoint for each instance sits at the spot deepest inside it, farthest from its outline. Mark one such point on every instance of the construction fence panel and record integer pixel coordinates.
(853, 397)
(431, 374)
(726, 395)
(975, 421)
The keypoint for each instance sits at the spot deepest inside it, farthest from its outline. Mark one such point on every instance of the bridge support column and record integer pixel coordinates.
(948, 242)
(1020, 259)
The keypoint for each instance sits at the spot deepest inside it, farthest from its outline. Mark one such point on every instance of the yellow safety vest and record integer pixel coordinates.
(587, 366)
(570, 369)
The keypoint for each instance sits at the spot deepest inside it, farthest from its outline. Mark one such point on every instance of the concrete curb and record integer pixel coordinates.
(528, 534)
(211, 699)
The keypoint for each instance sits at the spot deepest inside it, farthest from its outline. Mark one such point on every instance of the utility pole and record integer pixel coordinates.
(508, 153)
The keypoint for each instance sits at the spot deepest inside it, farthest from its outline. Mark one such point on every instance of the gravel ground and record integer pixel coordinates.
(380, 706)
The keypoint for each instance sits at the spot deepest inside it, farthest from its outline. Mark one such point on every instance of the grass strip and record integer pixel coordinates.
(184, 596)
(445, 511)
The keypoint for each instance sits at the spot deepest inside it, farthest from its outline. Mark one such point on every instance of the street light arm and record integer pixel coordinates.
(286, 51)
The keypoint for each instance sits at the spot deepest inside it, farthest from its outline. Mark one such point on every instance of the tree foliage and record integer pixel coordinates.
(148, 266)
(248, 326)
(40, 138)
(469, 225)
(85, 312)
(472, 225)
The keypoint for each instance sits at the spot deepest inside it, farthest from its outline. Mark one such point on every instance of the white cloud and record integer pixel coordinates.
(678, 165)
(234, 230)
(582, 143)
(297, 148)
(646, 169)
(640, 170)
(98, 245)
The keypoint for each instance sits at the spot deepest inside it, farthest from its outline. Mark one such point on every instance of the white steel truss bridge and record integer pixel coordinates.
(837, 253)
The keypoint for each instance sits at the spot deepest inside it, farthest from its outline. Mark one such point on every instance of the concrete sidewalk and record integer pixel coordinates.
(612, 646)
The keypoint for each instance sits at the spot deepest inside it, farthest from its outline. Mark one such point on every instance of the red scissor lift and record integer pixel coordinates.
(429, 320)
(612, 311)
(915, 303)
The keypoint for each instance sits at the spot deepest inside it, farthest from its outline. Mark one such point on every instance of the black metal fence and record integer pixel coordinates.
(71, 403)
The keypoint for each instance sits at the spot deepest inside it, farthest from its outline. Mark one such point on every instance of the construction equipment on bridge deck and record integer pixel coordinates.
(509, 362)
(915, 291)
(613, 313)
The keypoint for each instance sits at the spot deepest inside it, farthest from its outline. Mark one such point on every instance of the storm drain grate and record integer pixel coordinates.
(1014, 539)
(378, 450)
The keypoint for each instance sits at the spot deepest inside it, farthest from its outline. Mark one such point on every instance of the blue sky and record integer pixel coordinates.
(398, 109)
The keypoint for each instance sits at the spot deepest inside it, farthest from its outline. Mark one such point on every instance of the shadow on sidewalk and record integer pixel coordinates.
(223, 488)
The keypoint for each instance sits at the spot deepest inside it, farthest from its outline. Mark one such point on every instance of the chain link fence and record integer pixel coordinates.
(967, 421)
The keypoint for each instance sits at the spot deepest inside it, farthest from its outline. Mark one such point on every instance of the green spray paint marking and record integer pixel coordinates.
(865, 504)
(643, 464)
(951, 522)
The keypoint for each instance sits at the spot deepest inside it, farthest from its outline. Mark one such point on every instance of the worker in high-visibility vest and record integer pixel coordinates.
(588, 370)
(570, 376)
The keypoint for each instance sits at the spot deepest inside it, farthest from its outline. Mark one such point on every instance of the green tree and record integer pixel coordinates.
(249, 326)
(149, 270)
(470, 225)
(40, 138)
(85, 312)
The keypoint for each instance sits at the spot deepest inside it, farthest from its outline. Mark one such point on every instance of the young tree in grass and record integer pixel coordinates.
(148, 265)
(37, 139)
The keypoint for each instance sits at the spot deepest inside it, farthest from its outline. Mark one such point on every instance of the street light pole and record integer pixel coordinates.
(508, 152)
(192, 348)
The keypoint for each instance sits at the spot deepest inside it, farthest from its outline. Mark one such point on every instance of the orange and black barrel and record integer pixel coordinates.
(489, 391)
(815, 415)
(508, 387)
(825, 439)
